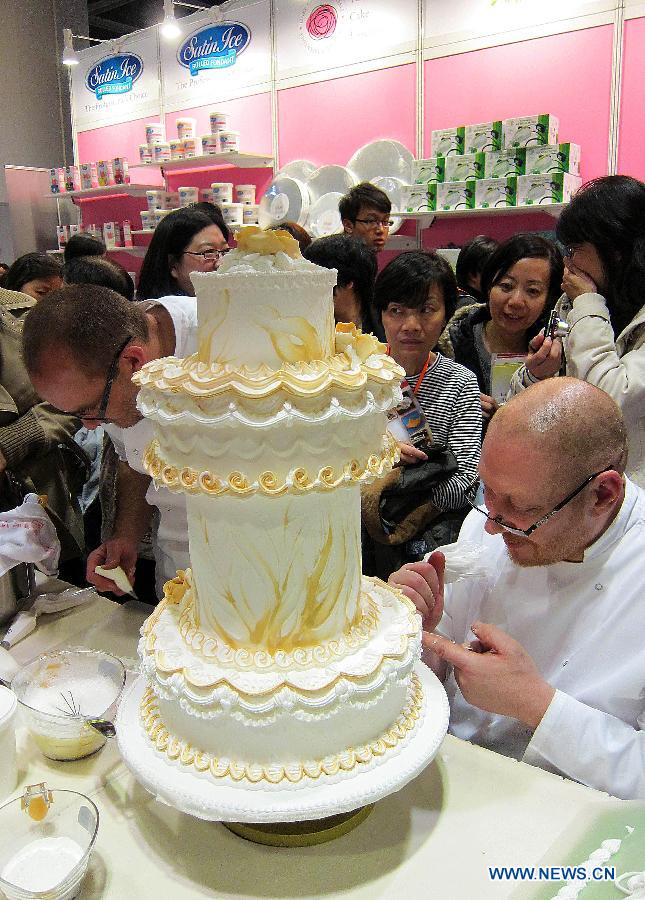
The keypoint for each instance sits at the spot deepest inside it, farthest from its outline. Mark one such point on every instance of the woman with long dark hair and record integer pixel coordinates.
(192, 239)
(603, 230)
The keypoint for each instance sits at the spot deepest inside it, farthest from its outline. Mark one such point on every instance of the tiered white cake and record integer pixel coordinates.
(274, 662)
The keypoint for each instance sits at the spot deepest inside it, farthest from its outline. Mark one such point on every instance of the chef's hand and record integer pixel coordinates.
(496, 674)
(576, 282)
(422, 583)
(544, 357)
(115, 552)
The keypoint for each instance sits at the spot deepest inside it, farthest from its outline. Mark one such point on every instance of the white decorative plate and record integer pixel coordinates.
(229, 801)
(328, 180)
(286, 199)
(324, 218)
(380, 158)
(298, 168)
(393, 187)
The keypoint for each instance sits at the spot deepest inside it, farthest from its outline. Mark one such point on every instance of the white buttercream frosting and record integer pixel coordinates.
(240, 262)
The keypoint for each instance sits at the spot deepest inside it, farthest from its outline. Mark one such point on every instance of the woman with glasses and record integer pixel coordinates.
(414, 296)
(603, 308)
(192, 239)
(520, 284)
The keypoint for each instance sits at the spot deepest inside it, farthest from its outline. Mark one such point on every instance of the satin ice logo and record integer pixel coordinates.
(215, 47)
(114, 74)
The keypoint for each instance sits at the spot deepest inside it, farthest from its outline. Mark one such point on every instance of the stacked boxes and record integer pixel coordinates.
(495, 164)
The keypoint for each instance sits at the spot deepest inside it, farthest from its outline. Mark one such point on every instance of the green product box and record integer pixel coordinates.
(420, 198)
(556, 158)
(503, 163)
(527, 131)
(456, 195)
(540, 190)
(462, 168)
(447, 141)
(493, 193)
(429, 170)
(483, 137)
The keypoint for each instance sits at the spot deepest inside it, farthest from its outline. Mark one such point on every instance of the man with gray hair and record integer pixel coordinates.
(543, 657)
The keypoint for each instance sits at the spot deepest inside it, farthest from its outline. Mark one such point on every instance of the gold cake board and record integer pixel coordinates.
(300, 834)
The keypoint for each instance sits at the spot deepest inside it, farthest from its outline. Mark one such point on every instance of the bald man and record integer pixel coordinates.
(544, 658)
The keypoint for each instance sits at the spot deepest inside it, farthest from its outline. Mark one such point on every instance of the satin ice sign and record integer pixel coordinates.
(114, 74)
(116, 87)
(218, 58)
(214, 47)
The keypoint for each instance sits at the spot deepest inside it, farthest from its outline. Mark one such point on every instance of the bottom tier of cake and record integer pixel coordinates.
(265, 718)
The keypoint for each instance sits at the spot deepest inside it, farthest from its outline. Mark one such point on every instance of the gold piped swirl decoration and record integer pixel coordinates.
(183, 753)
(298, 481)
(359, 358)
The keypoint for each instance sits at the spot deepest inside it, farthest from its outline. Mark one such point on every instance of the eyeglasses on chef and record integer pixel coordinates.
(472, 492)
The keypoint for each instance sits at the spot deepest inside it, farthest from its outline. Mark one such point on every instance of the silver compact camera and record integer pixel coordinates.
(556, 327)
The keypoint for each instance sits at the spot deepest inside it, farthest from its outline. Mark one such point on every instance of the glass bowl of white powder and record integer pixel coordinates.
(60, 691)
(47, 838)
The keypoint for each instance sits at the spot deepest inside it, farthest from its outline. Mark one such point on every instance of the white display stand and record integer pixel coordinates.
(225, 800)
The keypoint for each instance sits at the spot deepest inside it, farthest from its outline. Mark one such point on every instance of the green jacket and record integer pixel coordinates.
(37, 440)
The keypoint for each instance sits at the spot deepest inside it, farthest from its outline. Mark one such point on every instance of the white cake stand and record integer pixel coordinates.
(225, 800)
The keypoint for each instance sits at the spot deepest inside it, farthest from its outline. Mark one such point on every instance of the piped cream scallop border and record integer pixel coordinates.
(299, 481)
(181, 751)
(172, 375)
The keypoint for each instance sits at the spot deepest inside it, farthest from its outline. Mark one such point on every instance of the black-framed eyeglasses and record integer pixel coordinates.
(109, 381)
(372, 224)
(208, 255)
(473, 489)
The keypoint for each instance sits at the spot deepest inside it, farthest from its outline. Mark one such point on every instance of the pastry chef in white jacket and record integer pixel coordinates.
(544, 658)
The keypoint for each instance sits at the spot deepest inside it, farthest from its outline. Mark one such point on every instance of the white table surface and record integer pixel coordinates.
(435, 838)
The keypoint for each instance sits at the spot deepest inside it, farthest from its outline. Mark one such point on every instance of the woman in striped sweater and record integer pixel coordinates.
(415, 295)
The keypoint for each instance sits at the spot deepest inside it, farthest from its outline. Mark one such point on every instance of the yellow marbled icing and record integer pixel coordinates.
(253, 239)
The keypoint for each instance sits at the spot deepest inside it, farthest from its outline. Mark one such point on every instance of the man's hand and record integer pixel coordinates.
(544, 356)
(115, 552)
(411, 454)
(576, 282)
(496, 674)
(489, 406)
(422, 583)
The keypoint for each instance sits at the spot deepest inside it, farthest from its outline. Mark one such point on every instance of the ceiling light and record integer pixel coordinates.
(69, 55)
(169, 27)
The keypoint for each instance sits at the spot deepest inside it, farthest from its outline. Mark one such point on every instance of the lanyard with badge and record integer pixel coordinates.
(407, 421)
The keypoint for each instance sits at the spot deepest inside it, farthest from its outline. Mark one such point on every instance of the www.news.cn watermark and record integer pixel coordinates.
(551, 873)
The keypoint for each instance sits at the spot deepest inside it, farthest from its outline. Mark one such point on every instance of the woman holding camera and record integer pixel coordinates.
(520, 283)
(603, 229)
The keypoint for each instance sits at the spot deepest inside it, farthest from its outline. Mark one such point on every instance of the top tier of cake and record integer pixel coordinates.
(267, 306)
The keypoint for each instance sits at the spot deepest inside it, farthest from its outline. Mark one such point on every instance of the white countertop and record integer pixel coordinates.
(435, 838)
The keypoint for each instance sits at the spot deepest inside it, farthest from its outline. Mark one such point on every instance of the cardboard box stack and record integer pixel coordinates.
(510, 162)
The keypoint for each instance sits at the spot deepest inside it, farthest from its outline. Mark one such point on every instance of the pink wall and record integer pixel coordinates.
(565, 74)
(632, 102)
(327, 122)
(251, 116)
(119, 140)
